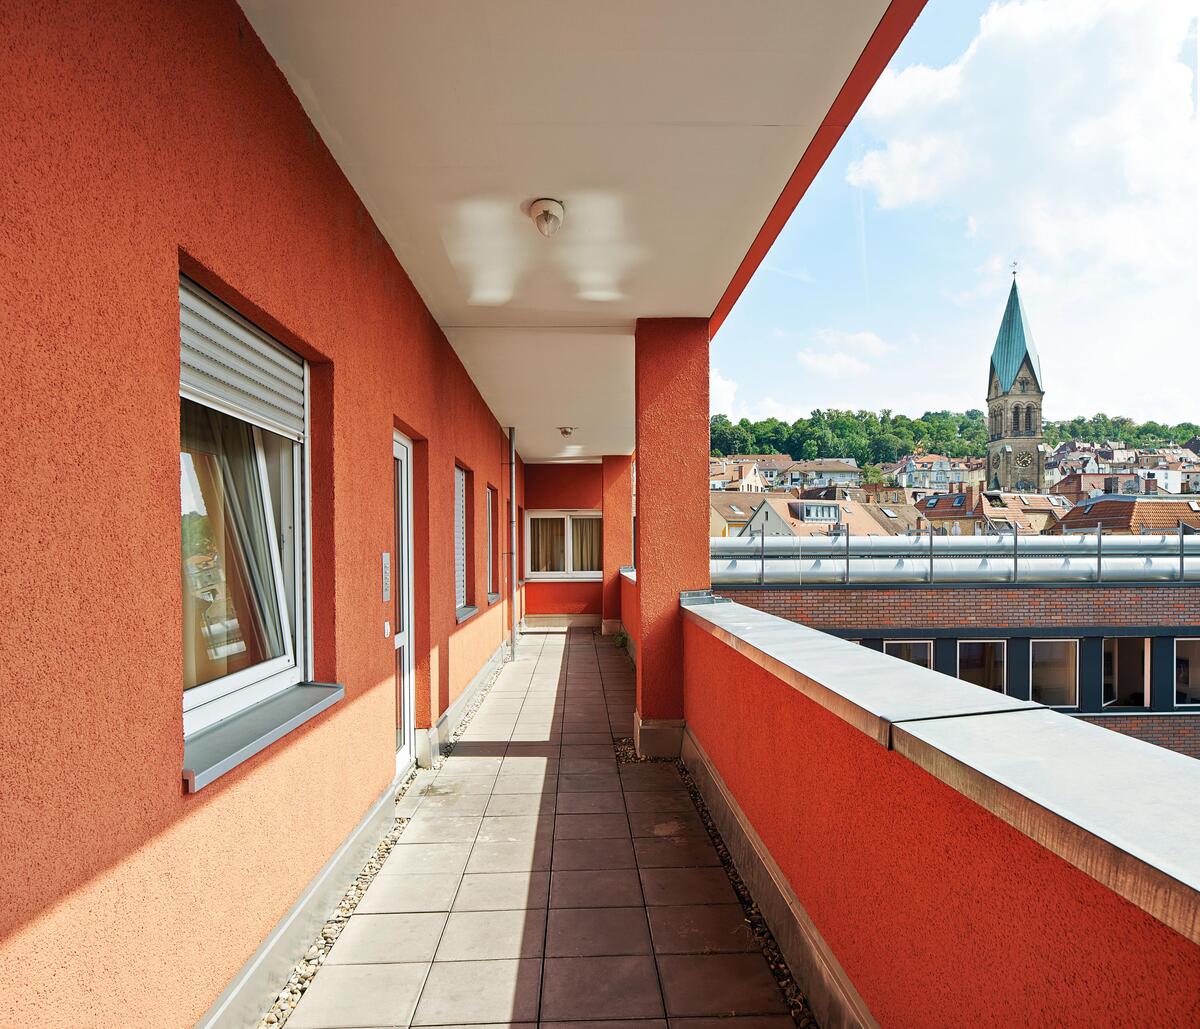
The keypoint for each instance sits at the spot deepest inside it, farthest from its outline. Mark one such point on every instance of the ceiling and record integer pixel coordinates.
(667, 128)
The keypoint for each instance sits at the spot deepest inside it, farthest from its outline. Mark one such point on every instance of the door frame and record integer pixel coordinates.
(402, 594)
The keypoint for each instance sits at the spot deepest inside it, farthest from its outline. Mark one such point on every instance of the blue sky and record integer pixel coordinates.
(1061, 134)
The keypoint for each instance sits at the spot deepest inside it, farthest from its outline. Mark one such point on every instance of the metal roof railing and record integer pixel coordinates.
(1011, 558)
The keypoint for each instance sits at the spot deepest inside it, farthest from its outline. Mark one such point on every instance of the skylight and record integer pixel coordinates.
(889, 512)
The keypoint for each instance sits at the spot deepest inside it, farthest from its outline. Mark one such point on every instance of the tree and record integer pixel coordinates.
(877, 438)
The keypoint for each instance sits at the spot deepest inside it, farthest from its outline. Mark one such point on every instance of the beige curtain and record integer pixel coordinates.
(586, 539)
(547, 545)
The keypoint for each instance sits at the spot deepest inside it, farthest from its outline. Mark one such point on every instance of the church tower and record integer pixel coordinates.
(1016, 454)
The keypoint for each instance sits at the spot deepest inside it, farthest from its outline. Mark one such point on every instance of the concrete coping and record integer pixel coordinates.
(629, 573)
(1125, 812)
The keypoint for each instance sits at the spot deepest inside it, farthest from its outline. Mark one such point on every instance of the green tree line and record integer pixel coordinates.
(877, 437)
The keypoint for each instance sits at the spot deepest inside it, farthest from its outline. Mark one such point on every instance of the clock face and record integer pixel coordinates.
(1024, 459)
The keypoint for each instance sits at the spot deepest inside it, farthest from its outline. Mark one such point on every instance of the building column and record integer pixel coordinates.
(671, 414)
(618, 535)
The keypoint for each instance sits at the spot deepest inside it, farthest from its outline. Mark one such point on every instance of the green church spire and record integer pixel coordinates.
(1014, 343)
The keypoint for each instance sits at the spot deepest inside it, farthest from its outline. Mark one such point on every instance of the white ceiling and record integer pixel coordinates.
(666, 127)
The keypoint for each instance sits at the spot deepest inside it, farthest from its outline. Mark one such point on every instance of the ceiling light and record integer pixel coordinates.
(566, 430)
(547, 215)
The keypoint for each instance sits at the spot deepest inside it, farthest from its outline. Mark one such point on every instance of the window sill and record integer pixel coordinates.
(222, 747)
(465, 613)
(492, 598)
(566, 577)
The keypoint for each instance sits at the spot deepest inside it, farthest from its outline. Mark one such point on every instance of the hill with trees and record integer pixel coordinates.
(872, 437)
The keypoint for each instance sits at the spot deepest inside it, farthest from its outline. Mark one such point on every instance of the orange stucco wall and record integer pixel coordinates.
(940, 913)
(618, 529)
(671, 412)
(563, 598)
(553, 487)
(141, 139)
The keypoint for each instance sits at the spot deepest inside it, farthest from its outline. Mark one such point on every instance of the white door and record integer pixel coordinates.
(402, 602)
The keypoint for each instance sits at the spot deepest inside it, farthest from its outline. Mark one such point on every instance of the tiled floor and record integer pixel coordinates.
(539, 882)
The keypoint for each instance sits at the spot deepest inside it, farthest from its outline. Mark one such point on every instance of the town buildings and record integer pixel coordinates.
(935, 471)
(831, 472)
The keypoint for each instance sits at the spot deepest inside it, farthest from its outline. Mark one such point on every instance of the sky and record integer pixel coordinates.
(1060, 134)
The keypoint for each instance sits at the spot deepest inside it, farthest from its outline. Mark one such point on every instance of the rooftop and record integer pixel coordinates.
(538, 878)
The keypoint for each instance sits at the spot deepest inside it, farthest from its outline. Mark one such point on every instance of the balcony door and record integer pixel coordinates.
(402, 601)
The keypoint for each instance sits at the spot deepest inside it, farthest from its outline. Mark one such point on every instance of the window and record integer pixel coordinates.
(493, 536)
(564, 545)
(932, 502)
(916, 652)
(1127, 671)
(960, 501)
(820, 513)
(889, 512)
(241, 486)
(462, 539)
(982, 662)
(1016, 423)
(1187, 671)
(1054, 672)
(1029, 419)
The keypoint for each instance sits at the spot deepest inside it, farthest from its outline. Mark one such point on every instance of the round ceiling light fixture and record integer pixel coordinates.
(547, 215)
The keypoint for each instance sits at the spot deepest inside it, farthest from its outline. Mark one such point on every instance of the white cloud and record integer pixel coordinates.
(864, 342)
(1064, 136)
(722, 393)
(832, 364)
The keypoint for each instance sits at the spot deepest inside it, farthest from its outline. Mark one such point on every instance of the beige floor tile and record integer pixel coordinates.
(487, 935)
(502, 891)
(360, 995)
(393, 894)
(427, 859)
(388, 939)
(480, 991)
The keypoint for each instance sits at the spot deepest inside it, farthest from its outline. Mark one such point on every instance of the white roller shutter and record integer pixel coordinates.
(460, 537)
(226, 360)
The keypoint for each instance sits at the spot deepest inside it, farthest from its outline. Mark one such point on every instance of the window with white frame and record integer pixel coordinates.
(820, 513)
(564, 545)
(242, 434)
(982, 662)
(1127, 671)
(493, 563)
(916, 652)
(1187, 671)
(1054, 672)
(461, 592)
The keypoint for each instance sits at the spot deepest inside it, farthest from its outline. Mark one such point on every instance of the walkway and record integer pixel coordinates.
(540, 882)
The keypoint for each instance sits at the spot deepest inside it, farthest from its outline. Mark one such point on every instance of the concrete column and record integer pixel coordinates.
(618, 535)
(671, 412)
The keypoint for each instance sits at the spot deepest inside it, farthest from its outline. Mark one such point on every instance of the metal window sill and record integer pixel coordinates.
(219, 749)
(465, 613)
(492, 598)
